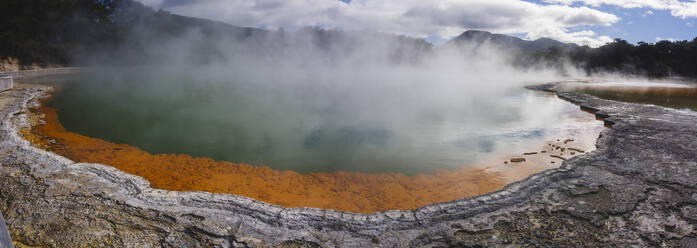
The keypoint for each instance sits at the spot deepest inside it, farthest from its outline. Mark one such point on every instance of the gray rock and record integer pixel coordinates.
(638, 189)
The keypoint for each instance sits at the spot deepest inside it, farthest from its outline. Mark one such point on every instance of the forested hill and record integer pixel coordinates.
(124, 32)
(507, 41)
(662, 59)
(65, 32)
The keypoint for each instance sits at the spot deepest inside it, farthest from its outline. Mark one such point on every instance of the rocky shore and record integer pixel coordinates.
(637, 189)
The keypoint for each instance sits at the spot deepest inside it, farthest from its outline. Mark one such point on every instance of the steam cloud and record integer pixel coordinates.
(331, 91)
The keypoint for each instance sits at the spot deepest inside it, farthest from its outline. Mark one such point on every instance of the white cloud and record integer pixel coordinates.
(689, 24)
(647, 13)
(682, 9)
(446, 18)
(586, 37)
(155, 3)
(668, 39)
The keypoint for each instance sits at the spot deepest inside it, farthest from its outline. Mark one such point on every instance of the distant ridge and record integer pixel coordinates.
(506, 41)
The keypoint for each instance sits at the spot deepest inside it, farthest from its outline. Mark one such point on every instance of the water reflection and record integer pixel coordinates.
(672, 95)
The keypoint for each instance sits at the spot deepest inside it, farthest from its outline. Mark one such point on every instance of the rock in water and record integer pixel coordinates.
(559, 157)
(576, 149)
(517, 160)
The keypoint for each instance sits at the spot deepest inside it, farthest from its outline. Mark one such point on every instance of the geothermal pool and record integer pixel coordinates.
(357, 143)
(304, 128)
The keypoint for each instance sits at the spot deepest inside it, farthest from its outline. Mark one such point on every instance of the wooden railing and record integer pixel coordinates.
(41, 72)
(5, 241)
(7, 79)
(6, 83)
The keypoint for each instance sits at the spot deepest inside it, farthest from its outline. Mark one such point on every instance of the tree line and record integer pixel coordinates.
(48, 31)
(662, 59)
(66, 32)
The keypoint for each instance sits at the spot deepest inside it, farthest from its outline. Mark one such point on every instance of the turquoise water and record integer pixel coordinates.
(314, 124)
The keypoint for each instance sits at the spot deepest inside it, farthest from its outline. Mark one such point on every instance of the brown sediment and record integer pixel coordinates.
(356, 192)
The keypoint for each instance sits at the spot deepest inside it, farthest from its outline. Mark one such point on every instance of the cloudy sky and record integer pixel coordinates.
(585, 22)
